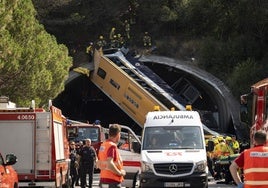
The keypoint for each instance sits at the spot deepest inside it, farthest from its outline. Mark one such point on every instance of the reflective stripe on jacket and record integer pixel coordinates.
(256, 167)
(105, 172)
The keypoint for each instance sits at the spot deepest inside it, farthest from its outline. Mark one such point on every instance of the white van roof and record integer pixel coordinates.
(169, 118)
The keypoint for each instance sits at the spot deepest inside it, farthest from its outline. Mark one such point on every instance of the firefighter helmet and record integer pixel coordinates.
(97, 122)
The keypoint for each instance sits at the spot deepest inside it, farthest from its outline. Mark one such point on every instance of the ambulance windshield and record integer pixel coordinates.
(170, 137)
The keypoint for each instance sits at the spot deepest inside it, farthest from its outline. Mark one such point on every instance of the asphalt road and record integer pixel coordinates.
(212, 183)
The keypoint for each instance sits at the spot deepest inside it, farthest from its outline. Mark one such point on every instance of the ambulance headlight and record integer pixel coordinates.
(146, 167)
(200, 166)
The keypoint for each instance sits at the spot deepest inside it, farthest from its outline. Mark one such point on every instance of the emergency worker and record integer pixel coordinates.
(254, 162)
(101, 42)
(74, 163)
(89, 51)
(147, 40)
(228, 140)
(120, 40)
(112, 34)
(114, 42)
(110, 162)
(127, 29)
(220, 150)
(88, 159)
(235, 145)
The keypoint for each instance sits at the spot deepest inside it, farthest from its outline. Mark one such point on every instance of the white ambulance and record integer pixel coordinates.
(173, 152)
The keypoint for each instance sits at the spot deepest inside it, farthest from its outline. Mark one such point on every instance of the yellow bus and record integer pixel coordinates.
(122, 87)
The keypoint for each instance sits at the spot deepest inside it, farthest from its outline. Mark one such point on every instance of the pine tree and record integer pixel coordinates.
(33, 66)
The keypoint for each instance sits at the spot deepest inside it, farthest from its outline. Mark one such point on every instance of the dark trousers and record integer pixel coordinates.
(110, 185)
(74, 174)
(210, 166)
(86, 169)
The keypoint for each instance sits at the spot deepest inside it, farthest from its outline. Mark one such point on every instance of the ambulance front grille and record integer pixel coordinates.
(173, 168)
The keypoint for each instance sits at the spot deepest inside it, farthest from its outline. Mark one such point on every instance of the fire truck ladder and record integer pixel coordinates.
(43, 146)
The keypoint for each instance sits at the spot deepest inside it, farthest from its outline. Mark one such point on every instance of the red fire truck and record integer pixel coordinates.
(79, 131)
(38, 139)
(258, 98)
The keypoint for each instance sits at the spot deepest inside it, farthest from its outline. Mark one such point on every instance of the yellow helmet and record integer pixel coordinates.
(189, 107)
(220, 138)
(228, 138)
(101, 37)
(215, 141)
(156, 108)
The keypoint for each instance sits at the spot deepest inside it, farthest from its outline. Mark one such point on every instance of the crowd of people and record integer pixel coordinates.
(225, 149)
(229, 160)
(84, 160)
(117, 39)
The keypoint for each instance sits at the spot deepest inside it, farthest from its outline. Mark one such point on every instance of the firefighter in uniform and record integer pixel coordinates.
(110, 162)
(147, 41)
(254, 162)
(235, 145)
(101, 42)
(88, 158)
(220, 150)
(127, 29)
(89, 51)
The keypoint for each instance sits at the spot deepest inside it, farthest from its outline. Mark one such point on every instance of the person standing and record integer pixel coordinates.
(78, 149)
(127, 29)
(89, 51)
(147, 40)
(235, 144)
(110, 162)
(88, 158)
(254, 162)
(74, 163)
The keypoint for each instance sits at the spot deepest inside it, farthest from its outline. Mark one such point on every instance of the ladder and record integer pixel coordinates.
(43, 164)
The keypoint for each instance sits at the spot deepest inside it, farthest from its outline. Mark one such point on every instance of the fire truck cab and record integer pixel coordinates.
(8, 176)
(79, 131)
(254, 108)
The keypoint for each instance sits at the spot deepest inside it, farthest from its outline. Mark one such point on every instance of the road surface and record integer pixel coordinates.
(212, 183)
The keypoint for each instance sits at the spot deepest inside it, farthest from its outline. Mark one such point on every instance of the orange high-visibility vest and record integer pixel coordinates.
(256, 167)
(105, 172)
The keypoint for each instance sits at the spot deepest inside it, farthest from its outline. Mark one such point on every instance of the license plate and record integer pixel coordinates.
(173, 184)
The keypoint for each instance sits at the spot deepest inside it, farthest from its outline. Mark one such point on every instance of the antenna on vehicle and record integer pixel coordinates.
(33, 105)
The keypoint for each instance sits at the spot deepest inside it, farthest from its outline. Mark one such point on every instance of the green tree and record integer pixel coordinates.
(33, 66)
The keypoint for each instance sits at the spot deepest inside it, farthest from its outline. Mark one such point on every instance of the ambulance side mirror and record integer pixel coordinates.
(210, 146)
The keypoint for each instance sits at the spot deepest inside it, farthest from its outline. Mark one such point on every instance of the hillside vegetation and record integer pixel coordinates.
(226, 38)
